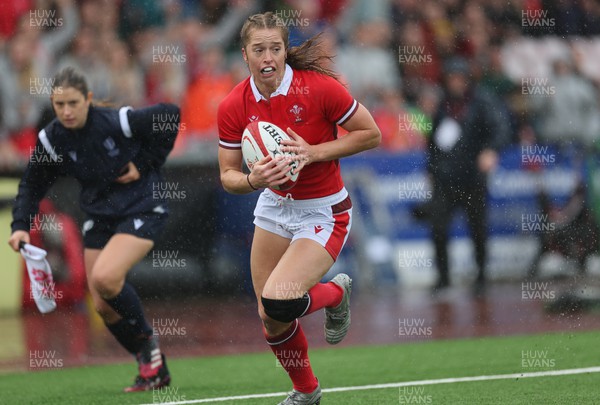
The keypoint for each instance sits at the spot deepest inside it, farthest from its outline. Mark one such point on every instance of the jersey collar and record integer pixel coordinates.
(283, 88)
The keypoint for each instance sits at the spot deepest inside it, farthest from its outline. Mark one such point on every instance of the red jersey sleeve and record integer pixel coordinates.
(336, 102)
(228, 121)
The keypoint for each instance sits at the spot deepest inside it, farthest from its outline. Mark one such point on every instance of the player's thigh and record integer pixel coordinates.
(267, 250)
(120, 254)
(302, 266)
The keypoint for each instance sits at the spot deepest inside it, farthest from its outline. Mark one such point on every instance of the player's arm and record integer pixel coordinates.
(266, 172)
(363, 134)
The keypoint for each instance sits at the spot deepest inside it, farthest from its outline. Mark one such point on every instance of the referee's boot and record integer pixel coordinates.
(337, 319)
(301, 398)
(152, 367)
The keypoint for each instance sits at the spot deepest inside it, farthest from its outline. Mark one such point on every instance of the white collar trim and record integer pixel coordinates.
(283, 88)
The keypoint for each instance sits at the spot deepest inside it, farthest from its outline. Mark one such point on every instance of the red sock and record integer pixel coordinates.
(324, 295)
(291, 349)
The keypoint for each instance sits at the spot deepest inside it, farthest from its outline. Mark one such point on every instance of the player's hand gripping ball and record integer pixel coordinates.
(261, 138)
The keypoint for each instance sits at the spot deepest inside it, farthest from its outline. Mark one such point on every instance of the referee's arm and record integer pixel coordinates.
(158, 127)
(40, 174)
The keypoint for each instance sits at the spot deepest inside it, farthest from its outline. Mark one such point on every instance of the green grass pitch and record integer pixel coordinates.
(199, 378)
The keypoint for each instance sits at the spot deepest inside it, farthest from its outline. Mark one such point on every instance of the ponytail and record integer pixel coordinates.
(310, 56)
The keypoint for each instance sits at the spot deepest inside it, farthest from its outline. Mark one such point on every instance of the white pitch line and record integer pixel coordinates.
(549, 373)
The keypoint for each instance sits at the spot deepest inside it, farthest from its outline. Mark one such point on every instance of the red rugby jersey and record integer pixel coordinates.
(310, 103)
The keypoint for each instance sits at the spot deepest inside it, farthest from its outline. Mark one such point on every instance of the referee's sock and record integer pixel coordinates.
(125, 335)
(291, 349)
(324, 295)
(128, 305)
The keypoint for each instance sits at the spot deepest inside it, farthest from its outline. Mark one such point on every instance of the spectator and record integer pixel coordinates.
(9, 18)
(418, 58)
(202, 97)
(591, 17)
(303, 20)
(24, 91)
(570, 113)
(25, 71)
(126, 78)
(493, 77)
(367, 64)
(403, 127)
(468, 130)
(86, 56)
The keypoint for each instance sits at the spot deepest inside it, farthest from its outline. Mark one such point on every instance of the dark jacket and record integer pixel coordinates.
(95, 155)
(483, 123)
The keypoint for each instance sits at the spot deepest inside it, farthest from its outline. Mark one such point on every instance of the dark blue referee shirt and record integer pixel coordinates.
(95, 155)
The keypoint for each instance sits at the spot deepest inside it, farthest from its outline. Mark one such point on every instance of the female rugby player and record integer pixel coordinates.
(299, 232)
(116, 155)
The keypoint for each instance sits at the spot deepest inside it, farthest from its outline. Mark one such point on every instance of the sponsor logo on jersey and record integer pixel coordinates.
(318, 228)
(137, 223)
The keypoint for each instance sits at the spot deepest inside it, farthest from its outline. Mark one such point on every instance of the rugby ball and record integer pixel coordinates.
(261, 138)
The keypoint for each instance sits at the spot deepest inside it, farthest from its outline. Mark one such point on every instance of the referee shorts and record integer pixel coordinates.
(97, 231)
(325, 220)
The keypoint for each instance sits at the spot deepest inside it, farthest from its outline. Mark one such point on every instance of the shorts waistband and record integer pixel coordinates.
(312, 203)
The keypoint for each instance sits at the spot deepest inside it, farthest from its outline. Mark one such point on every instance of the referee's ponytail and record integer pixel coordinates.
(308, 56)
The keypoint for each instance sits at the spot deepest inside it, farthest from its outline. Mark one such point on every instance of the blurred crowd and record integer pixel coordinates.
(541, 58)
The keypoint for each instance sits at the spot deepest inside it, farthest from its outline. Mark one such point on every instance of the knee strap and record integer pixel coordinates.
(285, 310)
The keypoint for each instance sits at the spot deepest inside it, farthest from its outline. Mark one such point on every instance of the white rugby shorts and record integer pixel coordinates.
(325, 220)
